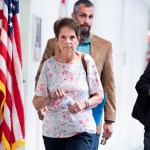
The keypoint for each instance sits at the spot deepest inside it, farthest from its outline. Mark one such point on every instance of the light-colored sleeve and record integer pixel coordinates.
(50, 50)
(108, 81)
(92, 75)
(41, 89)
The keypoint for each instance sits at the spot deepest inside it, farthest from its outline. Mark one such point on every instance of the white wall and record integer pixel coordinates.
(48, 15)
(124, 23)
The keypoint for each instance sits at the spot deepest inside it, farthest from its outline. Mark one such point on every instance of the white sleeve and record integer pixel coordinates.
(41, 89)
(93, 77)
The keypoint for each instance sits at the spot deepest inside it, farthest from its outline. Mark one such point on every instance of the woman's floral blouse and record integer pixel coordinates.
(78, 86)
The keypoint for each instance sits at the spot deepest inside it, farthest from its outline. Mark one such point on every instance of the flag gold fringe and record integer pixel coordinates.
(3, 90)
(5, 142)
(15, 145)
(18, 144)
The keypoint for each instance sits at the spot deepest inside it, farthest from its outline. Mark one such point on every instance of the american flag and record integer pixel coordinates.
(62, 9)
(63, 1)
(12, 132)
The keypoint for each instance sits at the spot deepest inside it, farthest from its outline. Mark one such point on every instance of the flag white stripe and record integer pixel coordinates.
(6, 41)
(16, 123)
(3, 65)
(17, 68)
(1, 4)
(4, 35)
(7, 115)
(9, 48)
(18, 16)
(5, 11)
(2, 146)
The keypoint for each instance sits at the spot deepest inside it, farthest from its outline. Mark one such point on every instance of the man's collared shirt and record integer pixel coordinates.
(85, 46)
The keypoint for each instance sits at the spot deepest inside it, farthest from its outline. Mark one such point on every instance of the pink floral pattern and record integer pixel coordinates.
(78, 86)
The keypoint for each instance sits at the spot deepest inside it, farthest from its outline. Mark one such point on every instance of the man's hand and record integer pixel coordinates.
(42, 112)
(107, 129)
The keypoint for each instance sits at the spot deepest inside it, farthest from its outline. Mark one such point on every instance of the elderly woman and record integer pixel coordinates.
(70, 91)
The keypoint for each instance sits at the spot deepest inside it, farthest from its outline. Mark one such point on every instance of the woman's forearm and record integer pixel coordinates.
(96, 99)
(40, 102)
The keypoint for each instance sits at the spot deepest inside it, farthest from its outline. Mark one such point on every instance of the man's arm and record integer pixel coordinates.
(143, 85)
(109, 87)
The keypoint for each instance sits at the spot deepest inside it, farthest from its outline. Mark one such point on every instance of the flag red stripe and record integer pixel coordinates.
(18, 101)
(1, 14)
(8, 102)
(63, 1)
(7, 131)
(17, 38)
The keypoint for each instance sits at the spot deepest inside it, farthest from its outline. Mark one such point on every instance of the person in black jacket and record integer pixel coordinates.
(141, 110)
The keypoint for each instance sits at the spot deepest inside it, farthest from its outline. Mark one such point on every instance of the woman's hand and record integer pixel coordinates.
(40, 102)
(76, 107)
(82, 105)
(58, 93)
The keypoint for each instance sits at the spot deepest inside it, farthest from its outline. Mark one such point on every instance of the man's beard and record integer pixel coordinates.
(85, 31)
